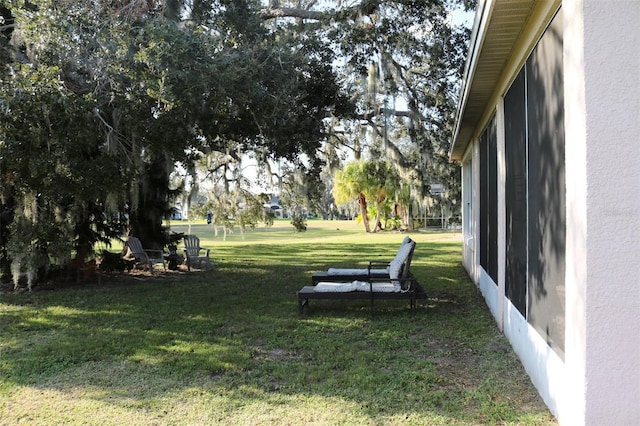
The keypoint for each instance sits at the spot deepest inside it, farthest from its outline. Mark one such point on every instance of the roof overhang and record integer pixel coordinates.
(497, 27)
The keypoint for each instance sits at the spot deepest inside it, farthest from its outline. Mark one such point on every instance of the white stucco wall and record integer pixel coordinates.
(471, 254)
(573, 409)
(598, 382)
(544, 366)
(602, 113)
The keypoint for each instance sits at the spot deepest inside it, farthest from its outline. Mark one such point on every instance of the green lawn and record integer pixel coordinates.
(228, 347)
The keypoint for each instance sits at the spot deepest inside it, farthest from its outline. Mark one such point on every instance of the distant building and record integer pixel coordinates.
(274, 207)
(176, 213)
(436, 189)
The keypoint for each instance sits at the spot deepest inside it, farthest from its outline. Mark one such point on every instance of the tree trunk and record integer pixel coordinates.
(153, 205)
(362, 201)
(410, 217)
(7, 206)
(377, 226)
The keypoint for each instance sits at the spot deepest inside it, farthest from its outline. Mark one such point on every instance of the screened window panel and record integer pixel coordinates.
(516, 194)
(484, 201)
(492, 192)
(489, 201)
(546, 189)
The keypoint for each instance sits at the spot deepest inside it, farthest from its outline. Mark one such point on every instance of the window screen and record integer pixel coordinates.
(535, 189)
(516, 194)
(546, 209)
(489, 201)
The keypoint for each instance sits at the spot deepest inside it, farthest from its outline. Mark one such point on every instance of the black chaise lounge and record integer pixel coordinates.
(399, 284)
(376, 269)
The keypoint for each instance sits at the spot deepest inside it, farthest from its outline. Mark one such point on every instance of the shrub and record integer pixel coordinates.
(299, 223)
(113, 262)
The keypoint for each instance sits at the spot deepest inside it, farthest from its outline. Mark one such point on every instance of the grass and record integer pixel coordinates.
(228, 347)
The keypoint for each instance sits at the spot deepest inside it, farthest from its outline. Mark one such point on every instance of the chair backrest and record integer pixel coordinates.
(399, 266)
(405, 240)
(407, 263)
(135, 245)
(192, 245)
(401, 254)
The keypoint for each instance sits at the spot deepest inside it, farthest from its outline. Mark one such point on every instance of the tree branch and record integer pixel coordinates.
(381, 110)
(365, 8)
(287, 12)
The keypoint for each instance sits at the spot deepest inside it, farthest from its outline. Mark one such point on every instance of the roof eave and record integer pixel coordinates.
(461, 133)
(497, 28)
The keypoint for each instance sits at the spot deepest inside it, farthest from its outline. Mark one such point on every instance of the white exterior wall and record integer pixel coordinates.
(545, 368)
(471, 254)
(598, 382)
(468, 238)
(602, 103)
(574, 407)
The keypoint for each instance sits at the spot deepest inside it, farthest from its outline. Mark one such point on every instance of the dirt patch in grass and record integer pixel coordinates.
(102, 280)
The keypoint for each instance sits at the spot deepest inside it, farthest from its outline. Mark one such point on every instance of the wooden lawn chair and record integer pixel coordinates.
(144, 256)
(192, 252)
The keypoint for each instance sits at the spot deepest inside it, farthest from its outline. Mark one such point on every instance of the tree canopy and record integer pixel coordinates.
(401, 63)
(102, 99)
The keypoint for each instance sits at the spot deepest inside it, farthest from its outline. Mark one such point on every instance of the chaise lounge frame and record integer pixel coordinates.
(411, 289)
(414, 293)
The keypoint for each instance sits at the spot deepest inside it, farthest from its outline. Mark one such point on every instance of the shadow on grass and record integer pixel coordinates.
(234, 333)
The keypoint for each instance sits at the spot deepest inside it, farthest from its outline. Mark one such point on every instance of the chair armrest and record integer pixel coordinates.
(375, 279)
(405, 283)
(155, 253)
(206, 251)
(373, 264)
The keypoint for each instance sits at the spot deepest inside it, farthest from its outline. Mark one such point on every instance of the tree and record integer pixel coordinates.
(402, 63)
(381, 183)
(363, 181)
(55, 182)
(349, 184)
(116, 93)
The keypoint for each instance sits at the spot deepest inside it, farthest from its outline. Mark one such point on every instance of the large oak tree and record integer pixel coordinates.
(101, 99)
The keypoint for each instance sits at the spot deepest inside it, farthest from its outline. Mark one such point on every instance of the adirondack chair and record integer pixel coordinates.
(144, 256)
(192, 252)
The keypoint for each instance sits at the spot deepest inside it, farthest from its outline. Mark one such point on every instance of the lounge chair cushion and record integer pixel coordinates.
(381, 287)
(365, 272)
(396, 264)
(329, 287)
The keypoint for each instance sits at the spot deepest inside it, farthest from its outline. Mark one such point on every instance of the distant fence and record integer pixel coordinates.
(436, 222)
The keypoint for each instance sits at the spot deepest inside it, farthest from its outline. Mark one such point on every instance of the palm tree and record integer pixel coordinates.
(350, 184)
(381, 182)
